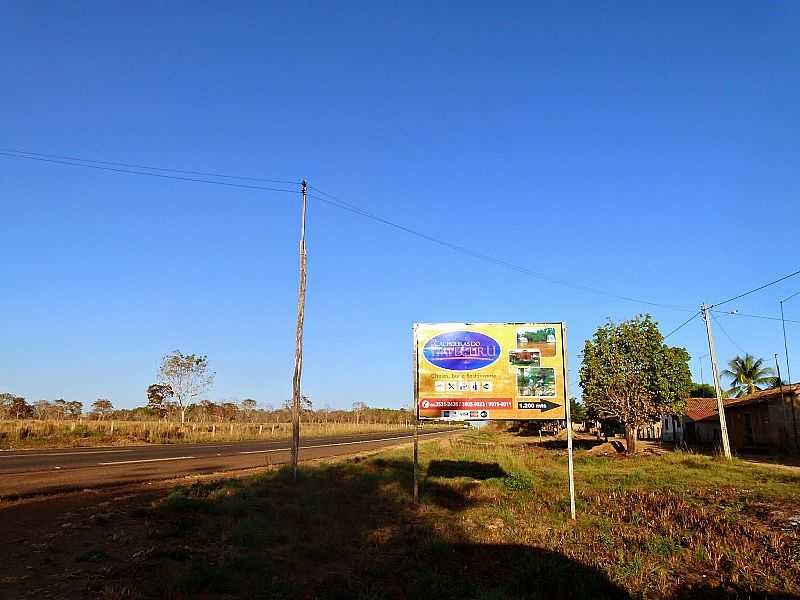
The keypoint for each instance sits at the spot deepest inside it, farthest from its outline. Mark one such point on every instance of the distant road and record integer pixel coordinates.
(30, 472)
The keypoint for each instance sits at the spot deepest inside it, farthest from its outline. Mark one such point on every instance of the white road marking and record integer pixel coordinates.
(215, 445)
(399, 437)
(62, 453)
(144, 460)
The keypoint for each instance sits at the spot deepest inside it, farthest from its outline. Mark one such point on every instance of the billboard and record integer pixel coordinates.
(475, 371)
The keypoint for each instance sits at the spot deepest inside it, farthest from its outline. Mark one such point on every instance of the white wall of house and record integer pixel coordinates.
(671, 429)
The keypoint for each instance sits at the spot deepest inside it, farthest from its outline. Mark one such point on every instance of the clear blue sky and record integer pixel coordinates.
(646, 148)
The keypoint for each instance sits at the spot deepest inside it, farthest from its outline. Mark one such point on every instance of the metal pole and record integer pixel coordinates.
(568, 409)
(416, 420)
(783, 401)
(723, 428)
(298, 351)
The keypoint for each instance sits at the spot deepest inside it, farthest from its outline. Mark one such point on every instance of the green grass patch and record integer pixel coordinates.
(493, 524)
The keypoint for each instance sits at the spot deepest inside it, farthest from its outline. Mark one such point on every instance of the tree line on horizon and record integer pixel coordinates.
(13, 407)
(182, 380)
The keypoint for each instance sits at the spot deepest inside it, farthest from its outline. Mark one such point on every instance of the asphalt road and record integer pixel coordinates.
(32, 472)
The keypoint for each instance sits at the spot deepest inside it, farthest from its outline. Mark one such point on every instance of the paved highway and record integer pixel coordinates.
(30, 472)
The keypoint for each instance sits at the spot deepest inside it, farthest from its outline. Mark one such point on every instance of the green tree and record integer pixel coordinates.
(74, 409)
(577, 411)
(14, 407)
(702, 390)
(101, 408)
(629, 375)
(747, 374)
(158, 395)
(187, 376)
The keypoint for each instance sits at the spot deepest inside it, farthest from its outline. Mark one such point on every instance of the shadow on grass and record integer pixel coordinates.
(578, 444)
(346, 530)
(464, 468)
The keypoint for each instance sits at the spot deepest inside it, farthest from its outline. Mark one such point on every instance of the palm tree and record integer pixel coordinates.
(746, 374)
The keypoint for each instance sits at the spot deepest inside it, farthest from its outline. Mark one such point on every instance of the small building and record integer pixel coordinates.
(766, 421)
(683, 428)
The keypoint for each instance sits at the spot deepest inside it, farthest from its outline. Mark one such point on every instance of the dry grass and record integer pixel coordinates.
(492, 525)
(83, 433)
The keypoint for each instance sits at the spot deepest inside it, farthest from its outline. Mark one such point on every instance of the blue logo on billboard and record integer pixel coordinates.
(461, 350)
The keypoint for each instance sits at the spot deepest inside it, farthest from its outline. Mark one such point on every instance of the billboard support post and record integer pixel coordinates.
(568, 410)
(416, 460)
(416, 421)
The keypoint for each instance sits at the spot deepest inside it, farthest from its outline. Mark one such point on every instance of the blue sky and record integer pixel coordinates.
(648, 149)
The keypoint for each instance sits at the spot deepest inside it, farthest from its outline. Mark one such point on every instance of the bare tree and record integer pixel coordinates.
(248, 406)
(42, 409)
(358, 408)
(187, 376)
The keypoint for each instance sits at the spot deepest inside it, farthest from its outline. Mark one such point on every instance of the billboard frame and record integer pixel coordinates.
(567, 407)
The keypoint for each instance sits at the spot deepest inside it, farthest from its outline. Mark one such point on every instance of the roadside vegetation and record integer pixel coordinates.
(175, 412)
(87, 433)
(493, 524)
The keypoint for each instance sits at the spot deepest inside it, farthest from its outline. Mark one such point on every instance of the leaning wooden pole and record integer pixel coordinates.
(298, 350)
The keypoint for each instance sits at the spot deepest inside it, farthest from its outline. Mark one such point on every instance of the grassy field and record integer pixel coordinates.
(492, 525)
(62, 434)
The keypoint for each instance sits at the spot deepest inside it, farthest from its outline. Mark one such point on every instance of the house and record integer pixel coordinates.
(766, 421)
(683, 429)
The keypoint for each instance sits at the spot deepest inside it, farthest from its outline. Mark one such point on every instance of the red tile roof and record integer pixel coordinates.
(700, 408)
(756, 398)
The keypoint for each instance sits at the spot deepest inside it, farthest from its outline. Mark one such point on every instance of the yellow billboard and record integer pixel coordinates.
(475, 371)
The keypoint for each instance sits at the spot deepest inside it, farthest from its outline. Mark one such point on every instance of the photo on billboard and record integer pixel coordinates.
(536, 381)
(523, 357)
(542, 339)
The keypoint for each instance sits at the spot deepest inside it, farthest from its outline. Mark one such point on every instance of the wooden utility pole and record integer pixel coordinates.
(723, 428)
(298, 350)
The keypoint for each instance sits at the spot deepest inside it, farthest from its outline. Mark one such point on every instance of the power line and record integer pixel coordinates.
(790, 297)
(682, 325)
(159, 175)
(135, 166)
(761, 287)
(330, 199)
(727, 335)
(338, 203)
(738, 314)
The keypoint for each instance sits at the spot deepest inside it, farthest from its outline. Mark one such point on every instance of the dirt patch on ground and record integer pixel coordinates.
(612, 448)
